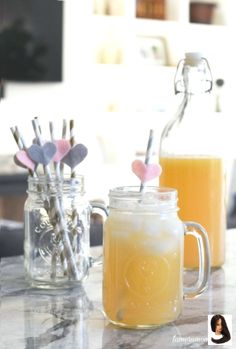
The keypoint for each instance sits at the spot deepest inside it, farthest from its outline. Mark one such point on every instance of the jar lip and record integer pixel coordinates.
(133, 192)
(65, 179)
(56, 186)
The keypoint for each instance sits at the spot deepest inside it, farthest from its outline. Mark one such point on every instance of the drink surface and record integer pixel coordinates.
(142, 284)
(200, 185)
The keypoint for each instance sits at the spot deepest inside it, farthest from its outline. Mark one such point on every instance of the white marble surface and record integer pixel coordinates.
(35, 319)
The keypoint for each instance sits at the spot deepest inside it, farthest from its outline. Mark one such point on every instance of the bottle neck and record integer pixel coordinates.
(193, 83)
(187, 132)
(193, 79)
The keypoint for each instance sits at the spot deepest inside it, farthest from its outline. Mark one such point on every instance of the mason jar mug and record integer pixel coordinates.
(57, 223)
(143, 258)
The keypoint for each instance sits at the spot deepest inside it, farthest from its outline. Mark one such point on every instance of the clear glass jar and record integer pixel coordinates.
(143, 258)
(191, 158)
(57, 221)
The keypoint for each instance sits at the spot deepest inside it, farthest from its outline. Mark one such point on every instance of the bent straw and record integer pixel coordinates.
(148, 155)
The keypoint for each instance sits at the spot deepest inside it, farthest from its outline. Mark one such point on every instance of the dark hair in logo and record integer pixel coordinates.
(225, 332)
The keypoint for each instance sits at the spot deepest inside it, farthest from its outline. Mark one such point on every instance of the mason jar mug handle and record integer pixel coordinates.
(204, 260)
(101, 209)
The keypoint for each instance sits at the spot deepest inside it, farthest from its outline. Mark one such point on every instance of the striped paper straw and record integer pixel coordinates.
(56, 164)
(74, 217)
(58, 237)
(148, 154)
(72, 142)
(21, 144)
(16, 137)
(58, 215)
(51, 128)
(64, 130)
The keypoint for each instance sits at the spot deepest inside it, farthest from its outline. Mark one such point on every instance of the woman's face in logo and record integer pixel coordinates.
(218, 326)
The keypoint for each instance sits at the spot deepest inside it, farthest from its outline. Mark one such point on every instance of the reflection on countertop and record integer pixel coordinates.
(33, 318)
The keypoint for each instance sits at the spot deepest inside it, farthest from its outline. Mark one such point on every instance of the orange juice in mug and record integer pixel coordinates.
(200, 185)
(143, 258)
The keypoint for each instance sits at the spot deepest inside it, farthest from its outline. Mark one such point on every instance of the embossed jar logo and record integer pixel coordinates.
(147, 277)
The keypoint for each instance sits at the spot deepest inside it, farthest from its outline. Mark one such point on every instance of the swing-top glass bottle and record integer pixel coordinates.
(191, 160)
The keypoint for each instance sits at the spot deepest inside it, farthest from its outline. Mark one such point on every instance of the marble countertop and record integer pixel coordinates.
(35, 319)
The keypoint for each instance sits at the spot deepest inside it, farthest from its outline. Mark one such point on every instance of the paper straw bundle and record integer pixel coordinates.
(52, 156)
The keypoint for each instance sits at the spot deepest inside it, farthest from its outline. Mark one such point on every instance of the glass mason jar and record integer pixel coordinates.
(57, 222)
(143, 258)
(192, 160)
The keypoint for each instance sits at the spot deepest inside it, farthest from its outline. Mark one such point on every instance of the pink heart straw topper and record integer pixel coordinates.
(146, 172)
(75, 156)
(42, 154)
(63, 147)
(22, 159)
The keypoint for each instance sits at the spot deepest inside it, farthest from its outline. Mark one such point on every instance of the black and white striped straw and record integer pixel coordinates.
(148, 154)
(64, 129)
(72, 143)
(63, 135)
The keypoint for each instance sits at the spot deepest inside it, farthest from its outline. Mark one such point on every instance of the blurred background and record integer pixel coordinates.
(110, 66)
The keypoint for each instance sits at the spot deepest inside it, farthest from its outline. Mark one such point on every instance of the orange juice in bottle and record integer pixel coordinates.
(200, 184)
(191, 162)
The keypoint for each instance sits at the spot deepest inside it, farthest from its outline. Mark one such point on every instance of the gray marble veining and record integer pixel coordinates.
(33, 319)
